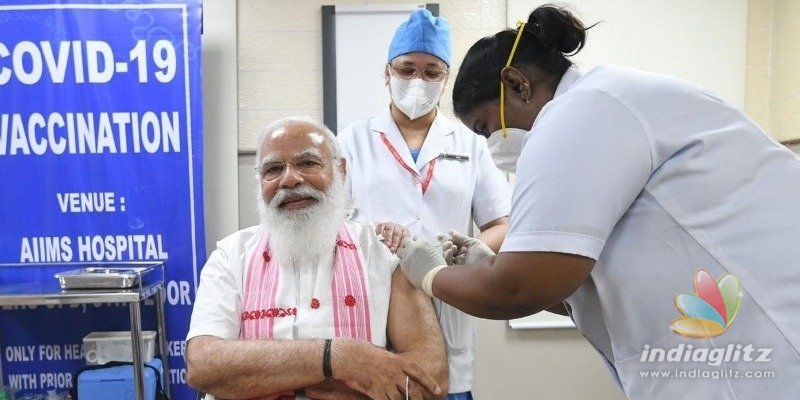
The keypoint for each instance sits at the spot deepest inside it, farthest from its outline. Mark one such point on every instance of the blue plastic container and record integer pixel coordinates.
(117, 382)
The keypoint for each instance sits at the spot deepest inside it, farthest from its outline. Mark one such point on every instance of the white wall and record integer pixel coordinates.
(702, 41)
(219, 120)
(773, 84)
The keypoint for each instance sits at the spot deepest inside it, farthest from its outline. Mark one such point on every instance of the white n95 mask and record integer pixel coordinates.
(506, 151)
(415, 97)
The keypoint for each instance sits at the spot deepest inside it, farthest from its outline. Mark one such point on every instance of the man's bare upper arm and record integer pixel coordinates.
(411, 322)
(413, 330)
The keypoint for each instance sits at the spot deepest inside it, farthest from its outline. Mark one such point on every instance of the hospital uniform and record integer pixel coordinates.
(461, 185)
(656, 179)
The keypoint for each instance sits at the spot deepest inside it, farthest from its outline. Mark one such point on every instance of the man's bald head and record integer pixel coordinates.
(319, 132)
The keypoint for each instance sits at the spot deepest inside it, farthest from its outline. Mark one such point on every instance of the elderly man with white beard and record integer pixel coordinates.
(308, 304)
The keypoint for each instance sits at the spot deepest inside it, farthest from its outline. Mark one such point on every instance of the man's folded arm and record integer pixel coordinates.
(238, 369)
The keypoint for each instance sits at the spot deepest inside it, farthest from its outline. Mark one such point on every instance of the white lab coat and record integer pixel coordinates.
(655, 178)
(460, 192)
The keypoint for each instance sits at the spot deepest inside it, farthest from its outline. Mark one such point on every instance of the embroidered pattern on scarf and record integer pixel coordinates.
(349, 295)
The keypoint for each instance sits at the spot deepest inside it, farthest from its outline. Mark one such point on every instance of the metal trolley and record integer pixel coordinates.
(130, 283)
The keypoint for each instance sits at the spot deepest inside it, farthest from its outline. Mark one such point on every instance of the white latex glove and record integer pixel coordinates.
(470, 250)
(449, 250)
(420, 262)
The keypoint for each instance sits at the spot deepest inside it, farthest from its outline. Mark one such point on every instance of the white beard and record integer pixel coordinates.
(306, 235)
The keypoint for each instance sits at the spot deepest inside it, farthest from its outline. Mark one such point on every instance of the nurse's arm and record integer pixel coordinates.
(560, 308)
(512, 284)
(494, 232)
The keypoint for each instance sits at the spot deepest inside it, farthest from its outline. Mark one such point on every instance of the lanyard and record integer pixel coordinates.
(428, 176)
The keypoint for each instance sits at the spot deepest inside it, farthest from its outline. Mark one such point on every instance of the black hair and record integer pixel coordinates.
(548, 38)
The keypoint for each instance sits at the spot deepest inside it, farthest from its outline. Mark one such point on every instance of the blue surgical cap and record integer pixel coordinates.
(422, 33)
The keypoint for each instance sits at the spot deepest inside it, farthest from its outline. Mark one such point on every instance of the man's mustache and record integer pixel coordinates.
(303, 191)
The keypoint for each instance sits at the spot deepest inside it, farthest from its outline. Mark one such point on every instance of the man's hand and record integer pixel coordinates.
(392, 234)
(376, 372)
(276, 396)
(418, 258)
(331, 389)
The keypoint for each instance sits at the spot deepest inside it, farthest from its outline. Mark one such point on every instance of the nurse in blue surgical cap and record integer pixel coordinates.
(412, 165)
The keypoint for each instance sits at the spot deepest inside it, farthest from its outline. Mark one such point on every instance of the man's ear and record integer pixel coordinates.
(513, 79)
(343, 166)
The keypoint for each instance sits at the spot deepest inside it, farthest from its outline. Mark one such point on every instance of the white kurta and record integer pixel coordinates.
(461, 191)
(655, 179)
(218, 307)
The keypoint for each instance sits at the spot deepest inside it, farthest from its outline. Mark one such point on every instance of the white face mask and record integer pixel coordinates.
(415, 97)
(506, 151)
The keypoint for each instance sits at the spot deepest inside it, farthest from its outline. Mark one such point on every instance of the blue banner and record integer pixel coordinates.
(100, 161)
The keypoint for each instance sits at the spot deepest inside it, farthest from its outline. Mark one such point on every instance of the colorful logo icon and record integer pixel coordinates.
(711, 309)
